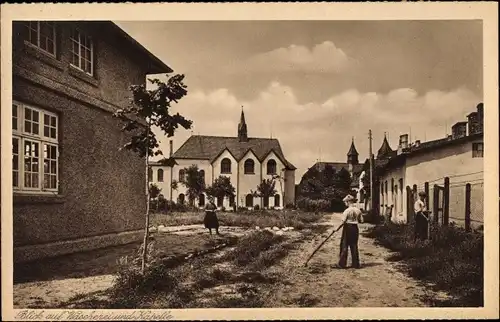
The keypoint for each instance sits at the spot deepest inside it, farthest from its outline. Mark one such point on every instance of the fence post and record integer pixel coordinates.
(446, 201)
(426, 190)
(467, 206)
(435, 204)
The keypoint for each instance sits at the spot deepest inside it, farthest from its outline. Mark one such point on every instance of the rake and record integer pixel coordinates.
(319, 246)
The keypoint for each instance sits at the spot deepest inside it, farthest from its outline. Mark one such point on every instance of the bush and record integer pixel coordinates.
(312, 205)
(290, 206)
(452, 259)
(256, 207)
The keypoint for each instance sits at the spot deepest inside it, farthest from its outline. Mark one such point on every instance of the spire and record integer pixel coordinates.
(352, 155)
(242, 128)
(385, 149)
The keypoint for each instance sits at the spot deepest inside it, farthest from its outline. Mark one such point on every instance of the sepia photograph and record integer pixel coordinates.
(164, 164)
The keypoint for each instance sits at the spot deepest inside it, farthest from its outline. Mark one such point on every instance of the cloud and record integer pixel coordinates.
(312, 130)
(322, 58)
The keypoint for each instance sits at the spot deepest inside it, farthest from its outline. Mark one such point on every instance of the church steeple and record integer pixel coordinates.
(385, 149)
(352, 155)
(242, 128)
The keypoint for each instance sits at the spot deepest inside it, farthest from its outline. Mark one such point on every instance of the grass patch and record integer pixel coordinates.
(251, 247)
(249, 219)
(452, 260)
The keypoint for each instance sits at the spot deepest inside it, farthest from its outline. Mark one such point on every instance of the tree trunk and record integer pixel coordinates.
(146, 230)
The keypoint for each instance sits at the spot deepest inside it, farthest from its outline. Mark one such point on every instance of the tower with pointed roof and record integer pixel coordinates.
(242, 128)
(352, 157)
(385, 150)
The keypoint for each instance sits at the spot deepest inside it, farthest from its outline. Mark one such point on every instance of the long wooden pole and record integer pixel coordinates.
(371, 172)
(319, 246)
(146, 231)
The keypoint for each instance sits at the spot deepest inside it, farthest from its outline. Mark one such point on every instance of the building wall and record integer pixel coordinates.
(114, 72)
(455, 162)
(449, 161)
(164, 185)
(91, 168)
(233, 176)
(394, 197)
(186, 163)
(279, 171)
(248, 182)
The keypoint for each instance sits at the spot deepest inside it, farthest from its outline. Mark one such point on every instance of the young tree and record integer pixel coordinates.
(154, 191)
(195, 183)
(221, 188)
(266, 189)
(152, 108)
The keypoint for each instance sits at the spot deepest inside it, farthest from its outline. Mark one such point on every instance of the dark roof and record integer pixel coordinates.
(385, 149)
(352, 150)
(156, 66)
(210, 147)
(320, 166)
(459, 123)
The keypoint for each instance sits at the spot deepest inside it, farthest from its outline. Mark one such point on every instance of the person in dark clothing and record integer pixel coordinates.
(210, 220)
(421, 217)
(350, 233)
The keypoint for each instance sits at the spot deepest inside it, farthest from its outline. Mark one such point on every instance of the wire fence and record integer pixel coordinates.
(457, 199)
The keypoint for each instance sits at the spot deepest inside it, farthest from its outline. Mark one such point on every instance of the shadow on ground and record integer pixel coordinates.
(105, 261)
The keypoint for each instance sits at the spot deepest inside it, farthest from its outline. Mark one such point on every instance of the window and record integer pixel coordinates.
(35, 157)
(160, 175)
(201, 201)
(231, 201)
(249, 166)
(277, 201)
(202, 175)
(181, 199)
(266, 202)
(392, 185)
(477, 150)
(220, 201)
(249, 200)
(225, 166)
(42, 34)
(271, 167)
(182, 175)
(150, 174)
(82, 51)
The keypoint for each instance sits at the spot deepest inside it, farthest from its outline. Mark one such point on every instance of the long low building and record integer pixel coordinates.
(459, 157)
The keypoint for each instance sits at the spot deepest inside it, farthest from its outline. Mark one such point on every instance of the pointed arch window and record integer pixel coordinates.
(271, 167)
(160, 175)
(225, 166)
(249, 166)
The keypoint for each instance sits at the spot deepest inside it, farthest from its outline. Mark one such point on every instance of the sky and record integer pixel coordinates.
(316, 85)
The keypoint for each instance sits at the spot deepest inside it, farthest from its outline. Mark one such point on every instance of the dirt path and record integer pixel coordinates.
(377, 284)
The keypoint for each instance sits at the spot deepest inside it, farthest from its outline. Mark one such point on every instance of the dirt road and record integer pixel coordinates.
(377, 284)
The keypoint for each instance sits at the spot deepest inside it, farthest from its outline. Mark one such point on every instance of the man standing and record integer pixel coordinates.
(421, 217)
(350, 233)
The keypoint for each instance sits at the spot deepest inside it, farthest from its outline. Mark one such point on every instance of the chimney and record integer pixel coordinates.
(171, 148)
(403, 141)
(473, 122)
(459, 130)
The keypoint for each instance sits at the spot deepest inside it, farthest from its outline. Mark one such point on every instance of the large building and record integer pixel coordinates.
(458, 156)
(247, 161)
(74, 189)
(352, 165)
